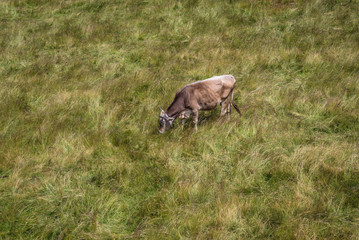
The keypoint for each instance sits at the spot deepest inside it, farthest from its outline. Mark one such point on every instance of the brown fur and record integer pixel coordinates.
(204, 95)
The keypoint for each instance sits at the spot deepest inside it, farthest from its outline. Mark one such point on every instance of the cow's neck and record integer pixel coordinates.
(175, 108)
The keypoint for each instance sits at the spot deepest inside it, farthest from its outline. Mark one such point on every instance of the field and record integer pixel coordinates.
(81, 83)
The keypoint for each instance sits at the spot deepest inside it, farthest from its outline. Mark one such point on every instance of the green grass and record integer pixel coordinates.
(81, 86)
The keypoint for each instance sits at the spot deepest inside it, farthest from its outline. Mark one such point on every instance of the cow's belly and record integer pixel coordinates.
(208, 105)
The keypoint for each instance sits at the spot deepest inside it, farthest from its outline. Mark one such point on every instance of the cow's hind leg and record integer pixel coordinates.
(223, 108)
(229, 107)
(195, 119)
(226, 107)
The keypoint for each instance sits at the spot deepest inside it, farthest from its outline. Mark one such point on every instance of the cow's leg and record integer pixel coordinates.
(226, 108)
(183, 116)
(195, 119)
(183, 120)
(229, 107)
(223, 108)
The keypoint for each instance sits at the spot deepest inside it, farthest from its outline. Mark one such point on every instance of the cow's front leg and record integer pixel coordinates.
(195, 119)
(183, 115)
(183, 120)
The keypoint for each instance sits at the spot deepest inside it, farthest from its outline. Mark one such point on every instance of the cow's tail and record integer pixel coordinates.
(236, 107)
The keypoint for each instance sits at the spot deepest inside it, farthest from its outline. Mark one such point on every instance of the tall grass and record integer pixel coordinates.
(81, 86)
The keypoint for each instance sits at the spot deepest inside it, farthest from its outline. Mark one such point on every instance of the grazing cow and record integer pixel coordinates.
(201, 95)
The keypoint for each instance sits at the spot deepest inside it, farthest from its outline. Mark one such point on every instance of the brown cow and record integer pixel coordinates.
(201, 95)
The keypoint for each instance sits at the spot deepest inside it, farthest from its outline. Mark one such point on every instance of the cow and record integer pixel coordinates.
(201, 95)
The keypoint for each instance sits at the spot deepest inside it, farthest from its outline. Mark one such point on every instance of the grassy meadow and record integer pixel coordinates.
(81, 83)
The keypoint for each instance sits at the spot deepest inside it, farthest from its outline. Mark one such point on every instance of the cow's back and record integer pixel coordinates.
(221, 85)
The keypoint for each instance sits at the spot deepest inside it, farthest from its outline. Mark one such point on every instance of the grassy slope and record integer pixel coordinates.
(81, 83)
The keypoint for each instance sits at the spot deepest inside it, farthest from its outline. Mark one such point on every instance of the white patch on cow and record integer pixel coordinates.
(185, 114)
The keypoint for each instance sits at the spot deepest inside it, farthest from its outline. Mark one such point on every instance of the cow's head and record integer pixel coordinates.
(165, 121)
